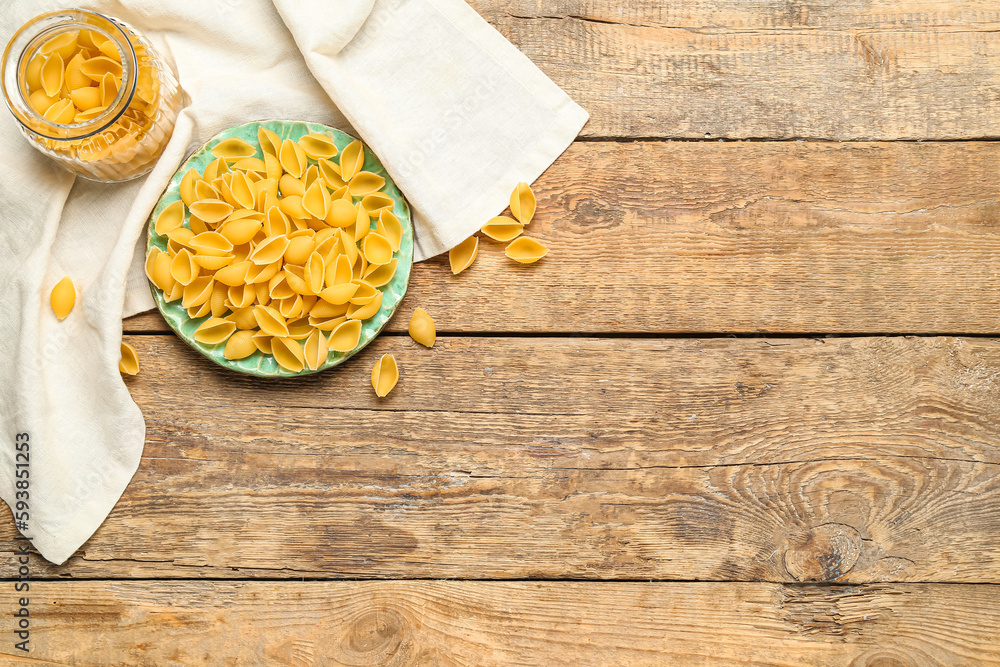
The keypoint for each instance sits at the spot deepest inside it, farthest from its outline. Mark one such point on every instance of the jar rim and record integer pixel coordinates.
(27, 39)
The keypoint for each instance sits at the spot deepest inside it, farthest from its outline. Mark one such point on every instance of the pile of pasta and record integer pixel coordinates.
(283, 250)
(75, 76)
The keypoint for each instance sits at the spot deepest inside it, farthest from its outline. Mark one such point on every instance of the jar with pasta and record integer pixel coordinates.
(90, 92)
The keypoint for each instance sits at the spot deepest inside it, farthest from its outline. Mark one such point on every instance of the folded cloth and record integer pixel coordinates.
(456, 114)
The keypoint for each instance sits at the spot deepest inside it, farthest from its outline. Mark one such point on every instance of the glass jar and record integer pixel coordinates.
(91, 93)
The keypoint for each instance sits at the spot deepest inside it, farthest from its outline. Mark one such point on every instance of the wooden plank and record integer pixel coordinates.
(742, 237)
(880, 70)
(852, 460)
(508, 623)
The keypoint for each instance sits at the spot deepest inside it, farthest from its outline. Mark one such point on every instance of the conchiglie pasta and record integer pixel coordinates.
(316, 349)
(352, 158)
(522, 203)
(318, 146)
(63, 298)
(171, 218)
(422, 328)
(292, 158)
(233, 149)
(365, 183)
(385, 375)
(502, 228)
(212, 210)
(240, 346)
(346, 336)
(288, 353)
(526, 250)
(214, 331)
(128, 362)
(463, 255)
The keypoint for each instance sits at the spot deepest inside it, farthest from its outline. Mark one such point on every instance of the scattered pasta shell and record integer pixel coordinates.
(289, 185)
(342, 213)
(318, 146)
(242, 191)
(240, 345)
(171, 218)
(522, 203)
(385, 375)
(292, 206)
(525, 250)
(214, 262)
(292, 158)
(362, 223)
(212, 210)
(316, 350)
(330, 172)
(270, 321)
(365, 183)
(346, 336)
(463, 255)
(314, 273)
(288, 353)
(502, 228)
(205, 190)
(214, 331)
(377, 249)
(422, 328)
(352, 159)
(129, 361)
(63, 298)
(233, 149)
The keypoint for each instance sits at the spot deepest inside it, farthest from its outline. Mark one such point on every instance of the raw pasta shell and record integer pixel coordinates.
(181, 236)
(242, 191)
(129, 361)
(295, 277)
(271, 250)
(270, 321)
(526, 250)
(366, 311)
(316, 200)
(327, 324)
(376, 202)
(324, 310)
(463, 255)
(270, 143)
(349, 245)
(272, 166)
(52, 75)
(339, 294)
(85, 98)
(288, 185)
(422, 328)
(241, 231)
(63, 44)
(96, 68)
(197, 312)
(176, 293)
(211, 210)
(377, 249)
(170, 219)
(108, 88)
(288, 353)
(73, 78)
(215, 169)
(318, 146)
(265, 186)
(365, 293)
(522, 203)
(63, 297)
(62, 112)
(502, 228)
(187, 186)
(379, 276)
(183, 268)
(385, 375)
(365, 183)
(250, 164)
(330, 172)
(291, 308)
(240, 346)
(214, 331)
(243, 318)
(339, 271)
(33, 72)
(211, 243)
(362, 223)
(218, 303)
(352, 159)
(316, 350)
(198, 292)
(262, 273)
(292, 158)
(233, 149)
(263, 342)
(342, 213)
(161, 273)
(276, 223)
(315, 273)
(214, 262)
(205, 190)
(390, 227)
(234, 274)
(292, 206)
(346, 336)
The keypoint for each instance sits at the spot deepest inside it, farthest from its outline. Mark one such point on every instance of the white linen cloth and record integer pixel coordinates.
(455, 112)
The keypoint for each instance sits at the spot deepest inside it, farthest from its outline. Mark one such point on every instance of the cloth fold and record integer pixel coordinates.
(456, 114)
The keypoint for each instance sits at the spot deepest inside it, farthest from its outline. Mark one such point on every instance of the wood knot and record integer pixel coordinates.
(376, 635)
(824, 553)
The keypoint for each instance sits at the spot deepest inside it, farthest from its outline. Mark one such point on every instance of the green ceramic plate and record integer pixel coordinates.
(260, 364)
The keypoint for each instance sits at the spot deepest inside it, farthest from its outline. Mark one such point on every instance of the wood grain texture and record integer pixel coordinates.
(778, 69)
(743, 237)
(850, 460)
(300, 624)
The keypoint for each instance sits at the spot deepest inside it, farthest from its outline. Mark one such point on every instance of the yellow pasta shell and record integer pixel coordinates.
(292, 158)
(339, 294)
(213, 262)
(349, 246)
(295, 277)
(271, 250)
(315, 350)
(239, 346)
(365, 183)
(243, 318)
(197, 312)
(33, 72)
(241, 231)
(316, 200)
(422, 328)
(298, 250)
(198, 292)
(243, 191)
(351, 160)
(183, 268)
(265, 186)
(289, 186)
(525, 250)
(368, 310)
(64, 44)
(270, 321)
(377, 249)
(376, 202)
(268, 140)
(85, 98)
(346, 336)
(154, 252)
(215, 169)
(181, 236)
(170, 219)
(129, 362)
(234, 274)
(292, 206)
(211, 210)
(204, 190)
(262, 273)
(385, 375)
(217, 302)
(96, 68)
(63, 297)
(390, 227)
(325, 310)
(233, 149)
(272, 166)
(522, 203)
(187, 186)
(330, 172)
(74, 79)
(250, 164)
(52, 75)
(291, 308)
(276, 223)
(160, 274)
(339, 271)
(463, 255)
(379, 276)
(62, 112)
(288, 353)
(314, 274)
(263, 342)
(214, 331)
(41, 102)
(502, 228)
(318, 146)
(108, 88)
(210, 243)
(342, 213)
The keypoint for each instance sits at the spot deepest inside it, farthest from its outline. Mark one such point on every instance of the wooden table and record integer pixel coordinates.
(746, 412)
